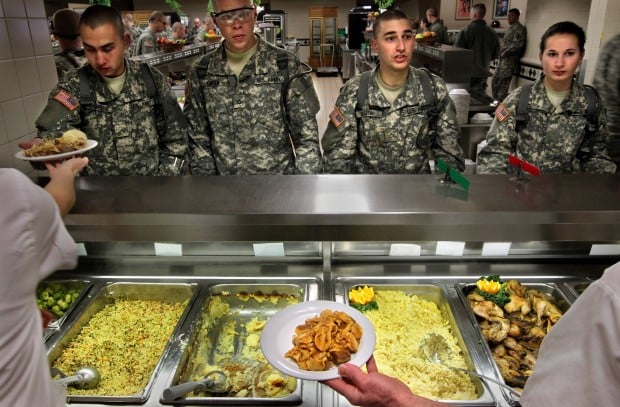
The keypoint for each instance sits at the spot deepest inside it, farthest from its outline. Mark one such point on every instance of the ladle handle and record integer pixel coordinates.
(66, 381)
(481, 376)
(180, 390)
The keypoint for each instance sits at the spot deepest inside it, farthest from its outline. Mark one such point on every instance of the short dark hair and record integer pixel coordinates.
(98, 15)
(432, 11)
(482, 9)
(564, 27)
(388, 15)
(514, 11)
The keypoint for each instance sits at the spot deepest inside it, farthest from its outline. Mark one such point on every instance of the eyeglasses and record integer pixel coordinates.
(228, 17)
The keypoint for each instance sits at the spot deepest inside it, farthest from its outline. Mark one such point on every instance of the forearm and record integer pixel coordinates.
(62, 190)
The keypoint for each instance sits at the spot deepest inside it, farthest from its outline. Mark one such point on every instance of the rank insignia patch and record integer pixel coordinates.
(336, 117)
(67, 100)
(501, 113)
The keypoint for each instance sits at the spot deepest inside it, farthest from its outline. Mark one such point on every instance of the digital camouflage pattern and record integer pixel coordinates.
(551, 139)
(146, 43)
(607, 82)
(509, 56)
(391, 139)
(125, 125)
(69, 60)
(237, 125)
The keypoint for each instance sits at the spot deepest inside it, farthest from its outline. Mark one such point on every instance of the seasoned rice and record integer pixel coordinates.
(401, 322)
(124, 341)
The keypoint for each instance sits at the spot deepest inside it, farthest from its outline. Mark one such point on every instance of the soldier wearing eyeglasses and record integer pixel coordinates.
(252, 106)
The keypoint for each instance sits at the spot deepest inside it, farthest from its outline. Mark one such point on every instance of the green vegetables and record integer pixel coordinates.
(56, 297)
(366, 307)
(492, 288)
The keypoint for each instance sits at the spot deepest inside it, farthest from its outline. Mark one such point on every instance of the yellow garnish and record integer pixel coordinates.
(491, 287)
(361, 295)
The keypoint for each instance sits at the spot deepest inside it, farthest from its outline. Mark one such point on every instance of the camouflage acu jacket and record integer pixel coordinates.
(237, 124)
(552, 139)
(134, 137)
(146, 43)
(390, 139)
(69, 60)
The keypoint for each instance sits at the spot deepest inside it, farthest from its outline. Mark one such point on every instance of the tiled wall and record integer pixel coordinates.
(27, 74)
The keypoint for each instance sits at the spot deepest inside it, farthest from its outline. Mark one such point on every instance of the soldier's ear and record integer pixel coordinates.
(126, 40)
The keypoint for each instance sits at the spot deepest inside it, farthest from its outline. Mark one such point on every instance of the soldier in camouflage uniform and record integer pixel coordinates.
(554, 136)
(66, 30)
(235, 101)
(437, 26)
(137, 134)
(509, 55)
(392, 134)
(147, 41)
(607, 82)
(483, 41)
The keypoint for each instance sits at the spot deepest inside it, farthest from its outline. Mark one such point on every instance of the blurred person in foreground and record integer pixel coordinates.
(510, 54)
(607, 82)
(406, 116)
(126, 106)
(252, 106)
(482, 40)
(34, 243)
(66, 30)
(556, 137)
(577, 363)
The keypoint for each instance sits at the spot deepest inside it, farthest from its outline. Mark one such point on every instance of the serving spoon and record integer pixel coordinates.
(87, 377)
(213, 382)
(435, 349)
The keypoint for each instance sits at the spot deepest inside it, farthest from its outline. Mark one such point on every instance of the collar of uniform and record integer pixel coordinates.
(132, 74)
(573, 103)
(376, 98)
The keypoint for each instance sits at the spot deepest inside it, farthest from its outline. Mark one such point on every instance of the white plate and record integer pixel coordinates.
(90, 144)
(277, 338)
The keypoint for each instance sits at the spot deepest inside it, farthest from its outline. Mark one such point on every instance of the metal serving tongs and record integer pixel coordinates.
(435, 349)
(213, 382)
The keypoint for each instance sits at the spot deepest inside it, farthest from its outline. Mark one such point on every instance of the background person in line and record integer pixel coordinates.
(128, 22)
(554, 138)
(510, 54)
(137, 134)
(234, 104)
(607, 82)
(437, 26)
(482, 40)
(66, 30)
(33, 244)
(393, 134)
(147, 41)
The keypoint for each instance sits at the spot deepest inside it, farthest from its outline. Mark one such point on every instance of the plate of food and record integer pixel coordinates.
(301, 341)
(71, 143)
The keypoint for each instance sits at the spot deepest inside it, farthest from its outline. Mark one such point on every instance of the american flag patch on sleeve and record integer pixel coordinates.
(336, 117)
(67, 100)
(501, 113)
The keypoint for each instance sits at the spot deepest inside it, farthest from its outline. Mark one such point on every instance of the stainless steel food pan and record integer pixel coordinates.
(436, 293)
(204, 336)
(109, 293)
(550, 289)
(81, 287)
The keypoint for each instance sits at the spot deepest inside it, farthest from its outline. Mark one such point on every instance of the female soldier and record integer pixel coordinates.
(557, 135)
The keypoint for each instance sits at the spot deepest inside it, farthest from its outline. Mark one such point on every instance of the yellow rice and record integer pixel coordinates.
(400, 323)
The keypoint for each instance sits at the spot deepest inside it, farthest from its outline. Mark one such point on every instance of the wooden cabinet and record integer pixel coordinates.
(323, 36)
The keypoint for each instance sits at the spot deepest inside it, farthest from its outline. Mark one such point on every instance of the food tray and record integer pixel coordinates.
(167, 293)
(549, 289)
(435, 293)
(576, 288)
(80, 287)
(206, 339)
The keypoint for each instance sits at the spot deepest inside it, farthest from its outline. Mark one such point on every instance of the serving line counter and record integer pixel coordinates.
(335, 231)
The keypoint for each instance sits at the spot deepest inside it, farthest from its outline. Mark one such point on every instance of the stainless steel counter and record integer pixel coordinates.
(346, 208)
